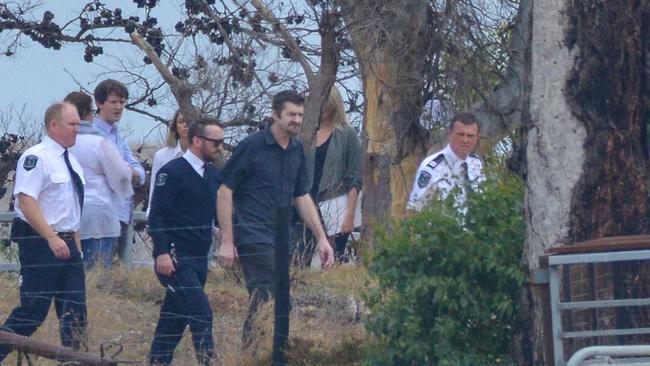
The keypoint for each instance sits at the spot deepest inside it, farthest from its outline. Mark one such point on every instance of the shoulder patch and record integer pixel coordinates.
(435, 161)
(161, 179)
(423, 179)
(30, 162)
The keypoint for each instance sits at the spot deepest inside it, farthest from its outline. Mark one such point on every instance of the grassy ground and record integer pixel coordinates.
(123, 307)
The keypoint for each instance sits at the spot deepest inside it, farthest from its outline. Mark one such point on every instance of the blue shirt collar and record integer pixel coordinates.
(104, 126)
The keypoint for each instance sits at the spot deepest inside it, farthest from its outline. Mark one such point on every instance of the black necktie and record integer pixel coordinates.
(466, 182)
(78, 184)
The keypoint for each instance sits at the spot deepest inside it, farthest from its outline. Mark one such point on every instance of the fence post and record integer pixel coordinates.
(127, 254)
(282, 295)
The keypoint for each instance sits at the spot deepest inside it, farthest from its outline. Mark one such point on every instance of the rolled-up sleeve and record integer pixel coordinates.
(127, 155)
(352, 177)
(116, 170)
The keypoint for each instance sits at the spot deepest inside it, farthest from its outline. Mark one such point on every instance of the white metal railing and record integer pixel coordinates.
(554, 261)
(608, 352)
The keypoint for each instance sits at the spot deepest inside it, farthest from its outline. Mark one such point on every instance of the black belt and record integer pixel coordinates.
(67, 235)
(20, 229)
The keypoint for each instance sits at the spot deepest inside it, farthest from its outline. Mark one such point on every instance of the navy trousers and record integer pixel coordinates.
(185, 304)
(44, 278)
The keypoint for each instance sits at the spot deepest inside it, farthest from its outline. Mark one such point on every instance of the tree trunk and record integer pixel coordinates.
(392, 42)
(586, 151)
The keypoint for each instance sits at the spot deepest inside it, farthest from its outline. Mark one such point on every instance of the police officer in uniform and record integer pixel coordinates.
(49, 199)
(452, 170)
(180, 221)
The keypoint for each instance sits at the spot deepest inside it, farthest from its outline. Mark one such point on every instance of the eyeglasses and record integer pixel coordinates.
(216, 142)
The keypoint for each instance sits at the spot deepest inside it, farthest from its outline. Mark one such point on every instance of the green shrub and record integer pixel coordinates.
(444, 292)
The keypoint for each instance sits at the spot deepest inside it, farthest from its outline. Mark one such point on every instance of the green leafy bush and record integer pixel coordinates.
(444, 288)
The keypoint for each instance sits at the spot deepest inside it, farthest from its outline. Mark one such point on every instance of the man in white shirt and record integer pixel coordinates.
(108, 181)
(452, 170)
(49, 197)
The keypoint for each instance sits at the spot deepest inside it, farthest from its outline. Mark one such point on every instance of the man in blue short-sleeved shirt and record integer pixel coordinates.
(266, 171)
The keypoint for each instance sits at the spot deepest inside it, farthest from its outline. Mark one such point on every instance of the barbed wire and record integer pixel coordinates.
(145, 239)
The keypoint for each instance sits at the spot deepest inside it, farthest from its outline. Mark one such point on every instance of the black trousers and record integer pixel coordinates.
(185, 304)
(45, 278)
(258, 264)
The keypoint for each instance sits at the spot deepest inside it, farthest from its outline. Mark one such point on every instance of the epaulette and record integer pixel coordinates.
(435, 161)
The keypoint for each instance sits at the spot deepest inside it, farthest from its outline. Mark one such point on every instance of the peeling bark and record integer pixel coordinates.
(605, 91)
(391, 41)
(587, 146)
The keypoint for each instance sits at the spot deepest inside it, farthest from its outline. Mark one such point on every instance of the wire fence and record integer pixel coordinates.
(124, 304)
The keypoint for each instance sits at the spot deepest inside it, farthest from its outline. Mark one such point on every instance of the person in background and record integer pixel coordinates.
(49, 197)
(110, 98)
(175, 145)
(182, 216)
(334, 165)
(452, 170)
(108, 180)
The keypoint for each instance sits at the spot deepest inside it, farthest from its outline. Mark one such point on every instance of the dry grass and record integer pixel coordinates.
(123, 307)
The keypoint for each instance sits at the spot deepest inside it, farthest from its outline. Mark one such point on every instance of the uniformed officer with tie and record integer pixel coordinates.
(452, 170)
(49, 200)
(180, 222)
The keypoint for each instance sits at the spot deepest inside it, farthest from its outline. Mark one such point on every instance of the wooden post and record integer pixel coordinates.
(52, 352)
(282, 295)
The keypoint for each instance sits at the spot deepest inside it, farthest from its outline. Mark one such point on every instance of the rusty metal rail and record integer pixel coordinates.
(52, 352)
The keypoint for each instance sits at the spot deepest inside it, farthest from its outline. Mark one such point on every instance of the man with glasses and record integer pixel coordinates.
(180, 222)
(110, 97)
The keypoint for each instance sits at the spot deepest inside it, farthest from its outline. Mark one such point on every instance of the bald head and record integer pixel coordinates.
(62, 123)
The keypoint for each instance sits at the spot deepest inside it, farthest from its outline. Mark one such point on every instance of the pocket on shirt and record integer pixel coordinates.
(58, 181)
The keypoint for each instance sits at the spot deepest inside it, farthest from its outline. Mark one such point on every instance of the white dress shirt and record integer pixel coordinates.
(109, 131)
(42, 174)
(443, 173)
(196, 163)
(162, 157)
(108, 182)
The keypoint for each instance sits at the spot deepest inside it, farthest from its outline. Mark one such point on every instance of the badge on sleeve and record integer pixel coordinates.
(161, 179)
(30, 162)
(423, 179)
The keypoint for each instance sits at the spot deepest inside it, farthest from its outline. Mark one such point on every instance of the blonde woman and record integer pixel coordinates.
(334, 164)
(176, 145)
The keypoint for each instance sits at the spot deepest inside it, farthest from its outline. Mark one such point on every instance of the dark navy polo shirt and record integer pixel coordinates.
(263, 177)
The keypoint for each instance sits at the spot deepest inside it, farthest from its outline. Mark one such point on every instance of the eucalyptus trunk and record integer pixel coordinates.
(587, 156)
